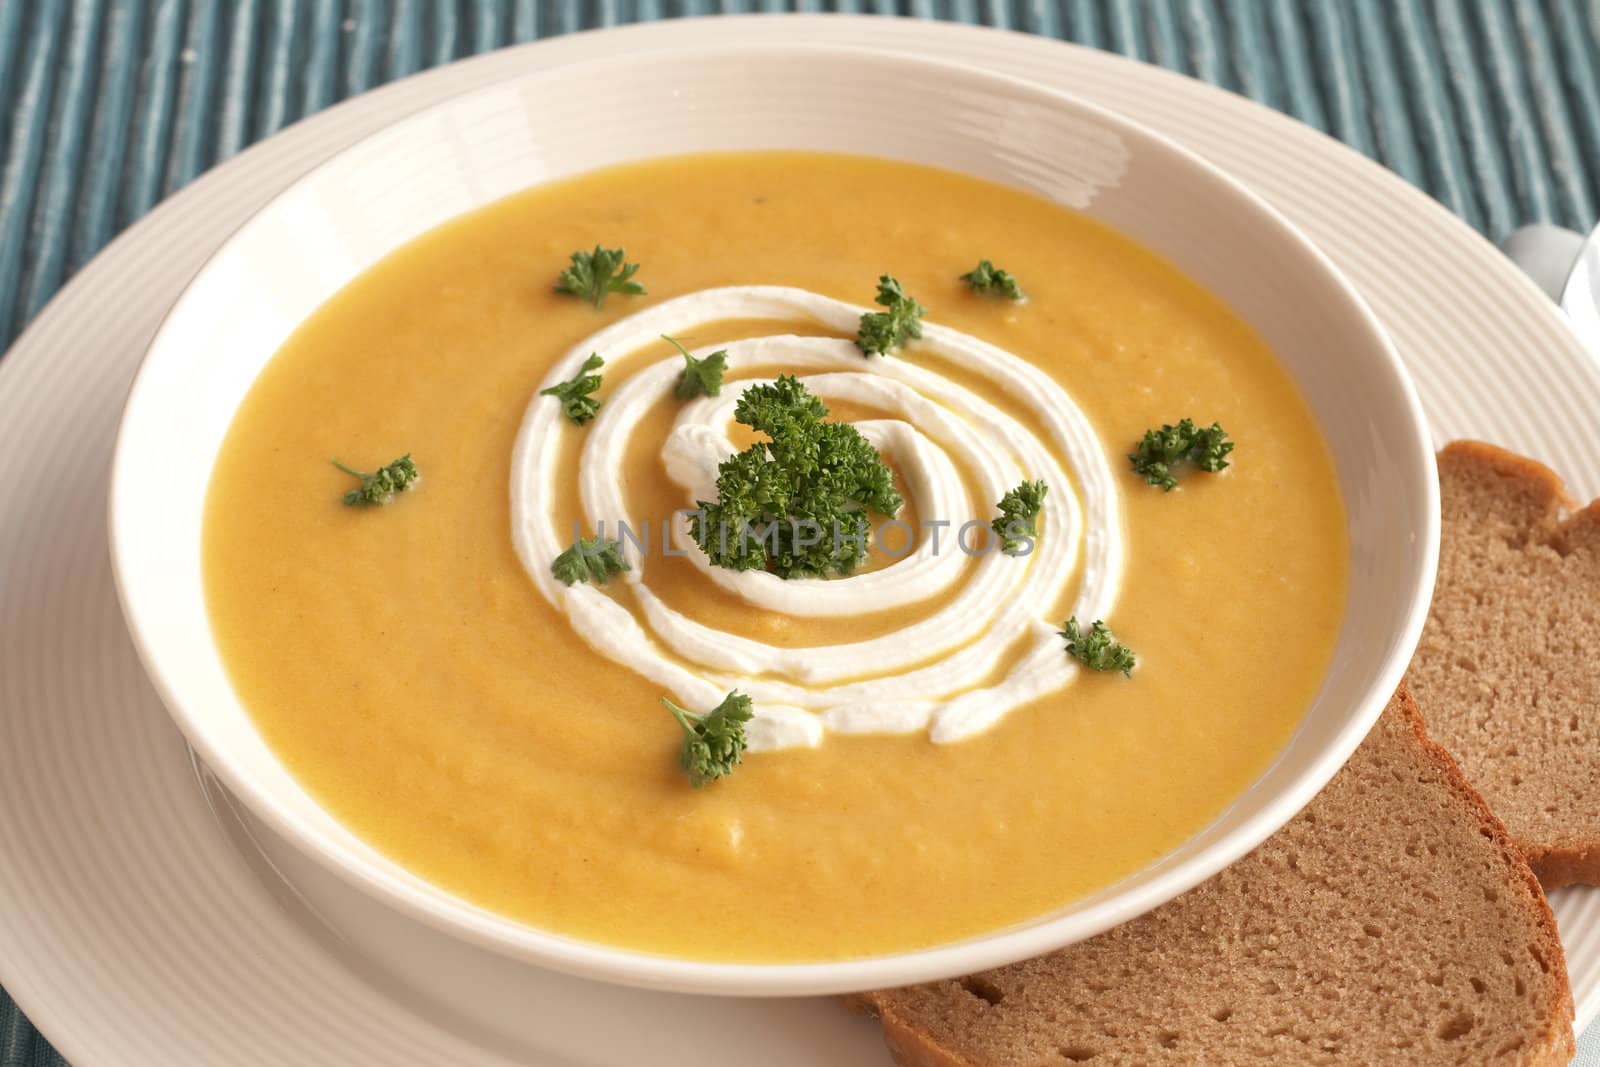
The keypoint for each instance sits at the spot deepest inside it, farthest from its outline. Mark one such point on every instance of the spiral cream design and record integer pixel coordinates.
(984, 614)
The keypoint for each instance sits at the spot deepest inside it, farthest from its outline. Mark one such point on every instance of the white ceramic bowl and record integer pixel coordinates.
(345, 215)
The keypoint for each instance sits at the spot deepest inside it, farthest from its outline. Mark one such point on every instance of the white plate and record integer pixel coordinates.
(133, 932)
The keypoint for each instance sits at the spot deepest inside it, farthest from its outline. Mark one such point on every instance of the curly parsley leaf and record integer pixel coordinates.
(1162, 450)
(713, 743)
(595, 274)
(882, 332)
(795, 504)
(1018, 523)
(1210, 447)
(990, 280)
(577, 394)
(380, 486)
(590, 559)
(700, 377)
(1098, 649)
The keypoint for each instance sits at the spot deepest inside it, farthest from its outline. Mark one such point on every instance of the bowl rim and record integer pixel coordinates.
(475, 925)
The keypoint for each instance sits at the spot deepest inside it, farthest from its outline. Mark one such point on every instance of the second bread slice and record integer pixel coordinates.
(1508, 671)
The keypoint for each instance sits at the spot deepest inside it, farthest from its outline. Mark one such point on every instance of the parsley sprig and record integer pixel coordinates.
(700, 377)
(1098, 649)
(1161, 450)
(713, 743)
(882, 332)
(1018, 523)
(796, 503)
(577, 393)
(380, 486)
(595, 274)
(990, 280)
(590, 559)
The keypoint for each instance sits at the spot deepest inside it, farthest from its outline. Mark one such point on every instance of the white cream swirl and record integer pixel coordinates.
(983, 614)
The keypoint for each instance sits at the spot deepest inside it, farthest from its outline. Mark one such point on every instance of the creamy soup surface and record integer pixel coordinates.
(407, 668)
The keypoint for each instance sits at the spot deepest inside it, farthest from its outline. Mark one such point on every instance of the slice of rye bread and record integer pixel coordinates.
(1508, 671)
(1392, 921)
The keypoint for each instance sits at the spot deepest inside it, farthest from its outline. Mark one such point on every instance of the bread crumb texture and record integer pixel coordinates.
(1508, 671)
(1392, 921)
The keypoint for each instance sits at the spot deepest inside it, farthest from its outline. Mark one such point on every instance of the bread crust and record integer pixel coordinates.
(1510, 464)
(1557, 868)
(905, 1043)
(912, 1048)
(1566, 522)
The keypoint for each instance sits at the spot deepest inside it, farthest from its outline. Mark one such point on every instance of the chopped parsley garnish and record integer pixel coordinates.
(576, 394)
(595, 274)
(884, 331)
(713, 743)
(1098, 649)
(380, 486)
(700, 377)
(795, 504)
(991, 280)
(1018, 523)
(1163, 449)
(590, 559)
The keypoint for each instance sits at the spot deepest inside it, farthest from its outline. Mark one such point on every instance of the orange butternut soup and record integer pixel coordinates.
(927, 760)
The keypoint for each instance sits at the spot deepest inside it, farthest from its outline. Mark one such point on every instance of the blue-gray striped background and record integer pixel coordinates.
(1493, 106)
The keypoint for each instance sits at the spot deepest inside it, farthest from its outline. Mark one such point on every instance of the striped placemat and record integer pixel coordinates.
(107, 106)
